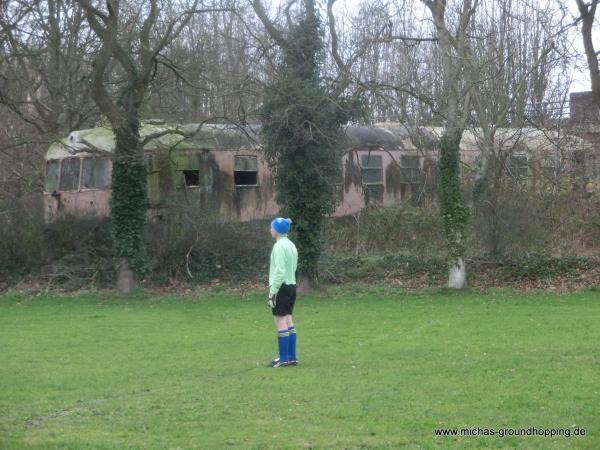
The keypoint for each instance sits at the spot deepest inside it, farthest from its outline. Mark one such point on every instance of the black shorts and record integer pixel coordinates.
(284, 300)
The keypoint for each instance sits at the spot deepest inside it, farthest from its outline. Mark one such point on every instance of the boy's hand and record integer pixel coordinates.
(271, 300)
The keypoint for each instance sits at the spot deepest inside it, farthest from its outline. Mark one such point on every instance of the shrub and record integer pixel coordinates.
(386, 229)
(22, 240)
(191, 244)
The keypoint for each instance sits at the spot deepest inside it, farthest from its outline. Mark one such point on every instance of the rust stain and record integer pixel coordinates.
(393, 179)
(352, 175)
(430, 172)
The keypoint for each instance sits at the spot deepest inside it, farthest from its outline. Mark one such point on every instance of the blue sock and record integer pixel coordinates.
(292, 343)
(283, 341)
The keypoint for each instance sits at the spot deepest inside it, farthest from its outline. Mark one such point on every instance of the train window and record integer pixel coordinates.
(372, 169)
(95, 173)
(517, 166)
(69, 174)
(410, 171)
(192, 178)
(52, 175)
(245, 171)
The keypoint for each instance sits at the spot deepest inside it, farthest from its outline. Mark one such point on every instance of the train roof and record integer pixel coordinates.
(387, 135)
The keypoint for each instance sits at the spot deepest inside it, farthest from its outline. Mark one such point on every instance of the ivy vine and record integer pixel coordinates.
(302, 128)
(455, 214)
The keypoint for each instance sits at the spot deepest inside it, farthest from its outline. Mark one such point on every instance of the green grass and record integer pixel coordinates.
(379, 369)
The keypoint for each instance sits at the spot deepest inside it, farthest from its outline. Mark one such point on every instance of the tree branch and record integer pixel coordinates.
(408, 39)
(167, 132)
(334, 36)
(588, 12)
(273, 31)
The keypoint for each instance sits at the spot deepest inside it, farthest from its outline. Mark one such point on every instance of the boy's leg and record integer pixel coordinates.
(292, 339)
(283, 337)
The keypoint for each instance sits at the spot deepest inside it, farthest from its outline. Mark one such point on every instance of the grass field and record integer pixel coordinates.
(379, 369)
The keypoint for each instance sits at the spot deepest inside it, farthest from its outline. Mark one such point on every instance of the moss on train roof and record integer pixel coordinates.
(169, 136)
(221, 137)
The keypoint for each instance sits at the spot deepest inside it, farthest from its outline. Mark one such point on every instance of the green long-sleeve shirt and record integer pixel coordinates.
(284, 262)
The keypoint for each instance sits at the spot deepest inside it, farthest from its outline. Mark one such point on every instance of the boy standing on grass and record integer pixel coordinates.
(282, 291)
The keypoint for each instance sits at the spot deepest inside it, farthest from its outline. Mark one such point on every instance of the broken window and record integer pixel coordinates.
(372, 169)
(149, 162)
(52, 175)
(69, 174)
(372, 177)
(192, 178)
(410, 169)
(550, 168)
(517, 166)
(245, 171)
(200, 179)
(95, 173)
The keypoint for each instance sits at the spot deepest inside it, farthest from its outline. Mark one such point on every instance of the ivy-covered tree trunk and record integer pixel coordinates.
(454, 211)
(135, 47)
(306, 194)
(454, 107)
(128, 203)
(302, 128)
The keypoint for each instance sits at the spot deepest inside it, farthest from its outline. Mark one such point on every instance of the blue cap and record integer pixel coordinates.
(281, 225)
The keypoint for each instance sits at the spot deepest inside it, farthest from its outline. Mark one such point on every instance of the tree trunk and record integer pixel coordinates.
(301, 121)
(125, 279)
(128, 203)
(305, 284)
(457, 277)
(588, 12)
(307, 235)
(454, 212)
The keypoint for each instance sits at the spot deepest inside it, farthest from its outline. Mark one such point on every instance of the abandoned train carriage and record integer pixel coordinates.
(221, 169)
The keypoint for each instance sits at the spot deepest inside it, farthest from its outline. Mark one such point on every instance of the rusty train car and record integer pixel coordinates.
(220, 168)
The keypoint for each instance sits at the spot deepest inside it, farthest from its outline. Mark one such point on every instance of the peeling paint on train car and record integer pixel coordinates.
(201, 171)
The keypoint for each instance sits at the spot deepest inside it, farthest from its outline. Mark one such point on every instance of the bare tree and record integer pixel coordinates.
(134, 45)
(587, 10)
(44, 89)
(486, 66)
(213, 69)
(455, 105)
(516, 53)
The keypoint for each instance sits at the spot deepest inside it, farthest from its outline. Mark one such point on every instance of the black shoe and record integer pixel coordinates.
(277, 363)
(292, 362)
(273, 362)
